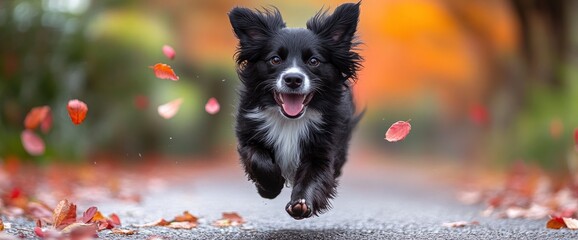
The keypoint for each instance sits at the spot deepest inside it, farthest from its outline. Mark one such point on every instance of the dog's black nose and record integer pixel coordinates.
(293, 80)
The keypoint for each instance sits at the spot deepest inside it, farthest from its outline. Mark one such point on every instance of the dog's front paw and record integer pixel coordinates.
(299, 209)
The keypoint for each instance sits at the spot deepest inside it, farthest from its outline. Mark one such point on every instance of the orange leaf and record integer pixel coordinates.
(36, 116)
(64, 214)
(182, 225)
(170, 109)
(123, 231)
(556, 223)
(229, 219)
(97, 217)
(77, 111)
(169, 52)
(1, 225)
(212, 107)
(186, 217)
(164, 71)
(33, 144)
(398, 131)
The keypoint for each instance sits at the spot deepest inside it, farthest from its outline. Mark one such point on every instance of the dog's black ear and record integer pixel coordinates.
(250, 26)
(338, 27)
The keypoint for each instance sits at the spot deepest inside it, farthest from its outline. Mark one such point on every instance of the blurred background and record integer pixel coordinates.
(484, 82)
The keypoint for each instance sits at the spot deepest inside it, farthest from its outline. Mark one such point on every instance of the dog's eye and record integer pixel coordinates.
(314, 62)
(275, 60)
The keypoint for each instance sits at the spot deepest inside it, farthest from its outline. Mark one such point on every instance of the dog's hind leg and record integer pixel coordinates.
(261, 169)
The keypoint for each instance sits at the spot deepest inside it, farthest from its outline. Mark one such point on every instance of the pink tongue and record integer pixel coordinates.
(292, 103)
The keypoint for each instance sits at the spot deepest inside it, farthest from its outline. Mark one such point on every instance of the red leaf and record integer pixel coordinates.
(170, 109)
(15, 193)
(114, 219)
(479, 115)
(89, 214)
(164, 71)
(36, 116)
(64, 214)
(556, 223)
(212, 107)
(169, 52)
(77, 111)
(398, 131)
(39, 232)
(33, 144)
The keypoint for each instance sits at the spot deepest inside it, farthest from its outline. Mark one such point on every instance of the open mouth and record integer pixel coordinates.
(292, 104)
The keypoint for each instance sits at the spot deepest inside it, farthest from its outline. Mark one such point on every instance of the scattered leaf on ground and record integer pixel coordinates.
(571, 223)
(398, 131)
(460, 224)
(36, 116)
(32, 143)
(80, 227)
(1, 225)
(114, 219)
(186, 217)
(160, 222)
(212, 107)
(123, 231)
(77, 111)
(164, 71)
(169, 52)
(182, 225)
(229, 219)
(64, 214)
(89, 214)
(556, 223)
(170, 109)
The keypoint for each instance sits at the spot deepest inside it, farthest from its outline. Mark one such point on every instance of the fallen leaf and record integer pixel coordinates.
(64, 214)
(460, 224)
(83, 227)
(556, 223)
(398, 131)
(123, 231)
(97, 217)
(212, 107)
(89, 214)
(164, 71)
(114, 219)
(47, 233)
(186, 217)
(228, 220)
(160, 222)
(169, 52)
(1, 225)
(571, 223)
(32, 143)
(36, 116)
(77, 111)
(170, 109)
(182, 225)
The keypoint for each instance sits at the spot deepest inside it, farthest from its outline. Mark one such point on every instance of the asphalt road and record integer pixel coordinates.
(373, 203)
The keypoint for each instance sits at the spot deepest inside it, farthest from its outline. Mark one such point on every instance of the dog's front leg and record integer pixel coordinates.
(314, 186)
(261, 169)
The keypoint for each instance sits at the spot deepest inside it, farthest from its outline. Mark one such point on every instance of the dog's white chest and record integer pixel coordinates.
(285, 136)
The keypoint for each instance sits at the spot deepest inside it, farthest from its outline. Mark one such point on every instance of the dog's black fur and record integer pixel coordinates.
(324, 54)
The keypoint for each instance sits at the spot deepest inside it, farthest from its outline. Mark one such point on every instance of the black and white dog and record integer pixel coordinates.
(296, 111)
